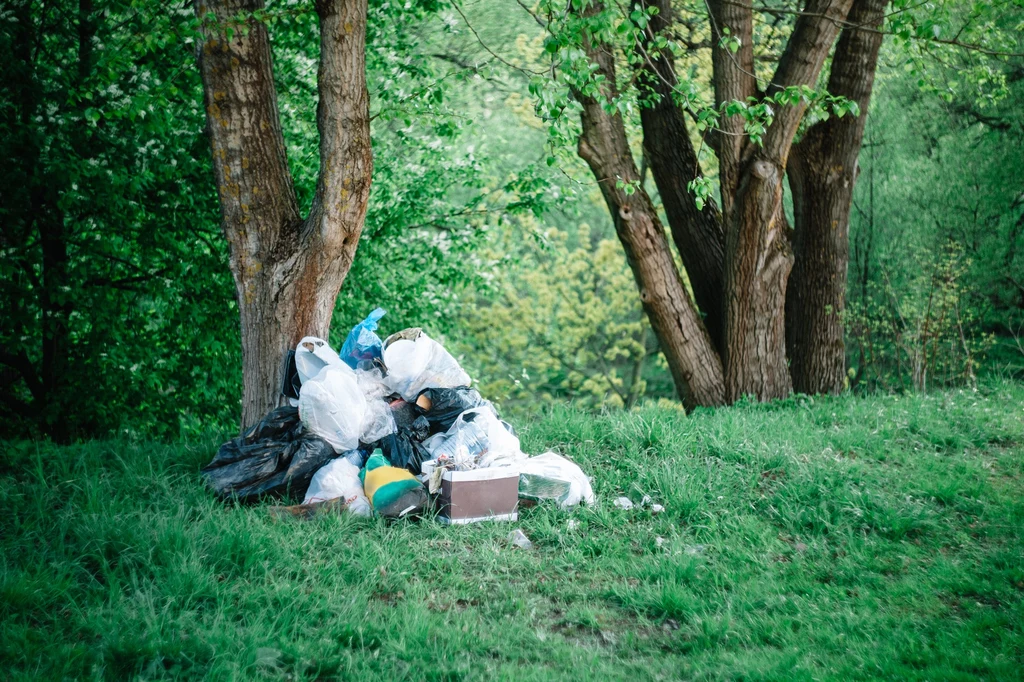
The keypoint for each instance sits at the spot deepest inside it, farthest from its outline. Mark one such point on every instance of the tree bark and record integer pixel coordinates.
(695, 366)
(287, 270)
(822, 171)
(697, 233)
(734, 80)
(758, 252)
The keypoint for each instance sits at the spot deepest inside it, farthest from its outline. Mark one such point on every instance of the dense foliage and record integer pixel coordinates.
(116, 300)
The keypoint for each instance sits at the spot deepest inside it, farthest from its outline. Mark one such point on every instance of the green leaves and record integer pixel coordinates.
(702, 188)
(729, 41)
(628, 187)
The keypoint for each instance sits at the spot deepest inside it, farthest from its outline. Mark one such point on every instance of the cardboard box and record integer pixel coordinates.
(479, 495)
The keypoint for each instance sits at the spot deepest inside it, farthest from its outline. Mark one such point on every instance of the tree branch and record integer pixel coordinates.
(343, 120)
(801, 63)
(257, 197)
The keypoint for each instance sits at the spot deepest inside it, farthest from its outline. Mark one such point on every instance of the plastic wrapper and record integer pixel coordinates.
(275, 458)
(333, 407)
(416, 362)
(553, 477)
(312, 355)
(363, 348)
(442, 406)
(339, 478)
(477, 438)
(378, 421)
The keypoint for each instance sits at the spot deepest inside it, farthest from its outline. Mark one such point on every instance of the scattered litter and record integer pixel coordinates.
(573, 523)
(339, 479)
(623, 503)
(268, 657)
(312, 355)
(393, 492)
(332, 406)
(657, 509)
(274, 458)
(435, 441)
(659, 541)
(645, 500)
(477, 439)
(694, 550)
(416, 362)
(490, 494)
(363, 348)
(442, 406)
(519, 539)
(553, 477)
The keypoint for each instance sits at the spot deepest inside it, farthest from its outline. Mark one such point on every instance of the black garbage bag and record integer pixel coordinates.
(442, 406)
(404, 448)
(275, 458)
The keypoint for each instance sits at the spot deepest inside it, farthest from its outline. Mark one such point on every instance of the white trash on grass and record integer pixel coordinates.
(332, 406)
(339, 478)
(553, 477)
(419, 362)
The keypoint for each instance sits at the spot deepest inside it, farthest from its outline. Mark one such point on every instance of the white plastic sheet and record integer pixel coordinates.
(332, 406)
(339, 478)
(420, 363)
(476, 439)
(312, 355)
(536, 473)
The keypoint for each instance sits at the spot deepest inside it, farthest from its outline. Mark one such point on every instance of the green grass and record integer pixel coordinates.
(846, 539)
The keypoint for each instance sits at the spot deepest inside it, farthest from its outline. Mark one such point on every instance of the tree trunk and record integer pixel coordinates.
(697, 233)
(695, 366)
(734, 81)
(758, 262)
(287, 270)
(822, 171)
(759, 256)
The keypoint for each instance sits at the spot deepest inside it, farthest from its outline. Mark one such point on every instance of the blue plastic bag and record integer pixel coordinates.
(363, 346)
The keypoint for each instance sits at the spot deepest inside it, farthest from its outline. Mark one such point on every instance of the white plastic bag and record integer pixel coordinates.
(419, 363)
(553, 477)
(332, 406)
(477, 439)
(339, 478)
(312, 355)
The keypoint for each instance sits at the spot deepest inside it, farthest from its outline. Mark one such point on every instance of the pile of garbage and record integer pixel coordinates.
(392, 428)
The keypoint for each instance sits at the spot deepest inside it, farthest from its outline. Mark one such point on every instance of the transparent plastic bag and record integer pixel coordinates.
(339, 478)
(477, 439)
(312, 355)
(378, 421)
(332, 406)
(553, 477)
(416, 362)
(362, 345)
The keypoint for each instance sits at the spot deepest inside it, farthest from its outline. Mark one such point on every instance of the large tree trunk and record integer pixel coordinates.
(759, 256)
(695, 366)
(734, 81)
(822, 171)
(697, 233)
(287, 270)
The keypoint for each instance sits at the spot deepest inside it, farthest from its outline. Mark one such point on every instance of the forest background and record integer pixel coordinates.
(481, 227)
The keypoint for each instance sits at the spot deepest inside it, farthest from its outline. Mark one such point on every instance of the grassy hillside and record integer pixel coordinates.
(855, 538)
